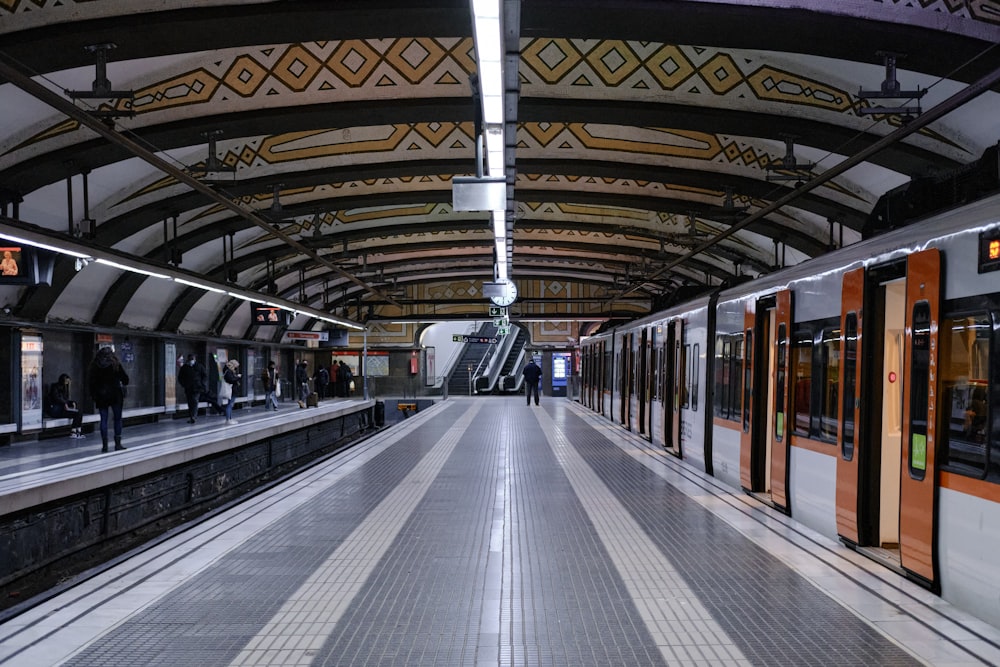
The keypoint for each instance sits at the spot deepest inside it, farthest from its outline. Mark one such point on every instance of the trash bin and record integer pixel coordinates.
(379, 414)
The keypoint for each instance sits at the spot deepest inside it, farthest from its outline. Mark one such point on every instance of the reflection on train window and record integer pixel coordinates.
(919, 380)
(693, 376)
(964, 376)
(747, 379)
(830, 364)
(654, 364)
(802, 349)
(685, 361)
(850, 372)
(728, 363)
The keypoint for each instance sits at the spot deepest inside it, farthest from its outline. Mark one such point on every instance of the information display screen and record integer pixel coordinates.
(262, 314)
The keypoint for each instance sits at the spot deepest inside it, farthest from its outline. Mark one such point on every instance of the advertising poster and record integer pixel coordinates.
(430, 366)
(31, 380)
(170, 365)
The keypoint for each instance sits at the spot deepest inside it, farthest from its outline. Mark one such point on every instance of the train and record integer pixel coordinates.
(854, 392)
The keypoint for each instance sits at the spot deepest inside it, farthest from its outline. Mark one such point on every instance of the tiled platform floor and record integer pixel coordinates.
(485, 532)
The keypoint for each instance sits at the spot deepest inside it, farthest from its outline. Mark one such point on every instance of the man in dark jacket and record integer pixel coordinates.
(320, 381)
(302, 381)
(532, 376)
(194, 378)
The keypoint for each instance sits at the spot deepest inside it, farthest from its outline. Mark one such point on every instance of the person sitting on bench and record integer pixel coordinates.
(61, 407)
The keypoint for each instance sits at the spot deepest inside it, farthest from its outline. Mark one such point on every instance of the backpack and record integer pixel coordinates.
(324, 376)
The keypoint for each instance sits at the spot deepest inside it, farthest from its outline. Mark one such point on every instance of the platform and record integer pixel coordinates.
(485, 532)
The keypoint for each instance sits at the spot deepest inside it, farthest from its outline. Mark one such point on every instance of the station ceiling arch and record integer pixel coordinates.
(641, 130)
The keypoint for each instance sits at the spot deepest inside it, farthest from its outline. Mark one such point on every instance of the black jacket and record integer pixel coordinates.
(532, 373)
(107, 380)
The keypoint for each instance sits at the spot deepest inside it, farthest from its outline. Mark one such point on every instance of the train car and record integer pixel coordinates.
(853, 392)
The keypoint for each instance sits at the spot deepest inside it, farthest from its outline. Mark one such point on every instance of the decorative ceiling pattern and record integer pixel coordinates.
(640, 132)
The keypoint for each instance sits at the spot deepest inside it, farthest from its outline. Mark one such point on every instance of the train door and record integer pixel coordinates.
(780, 386)
(917, 506)
(749, 480)
(642, 380)
(885, 473)
(667, 389)
(764, 444)
(624, 370)
(673, 385)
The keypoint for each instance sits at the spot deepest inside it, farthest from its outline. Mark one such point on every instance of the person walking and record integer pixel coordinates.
(532, 377)
(302, 381)
(320, 381)
(107, 388)
(194, 378)
(59, 406)
(269, 378)
(231, 377)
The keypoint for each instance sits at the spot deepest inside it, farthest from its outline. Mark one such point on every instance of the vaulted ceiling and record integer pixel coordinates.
(642, 130)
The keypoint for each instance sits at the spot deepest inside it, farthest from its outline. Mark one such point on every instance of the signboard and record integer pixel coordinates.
(503, 330)
(459, 338)
(498, 311)
(308, 335)
(501, 322)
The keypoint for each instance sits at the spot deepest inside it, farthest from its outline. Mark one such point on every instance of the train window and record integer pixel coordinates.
(801, 409)
(965, 393)
(747, 380)
(723, 351)
(686, 395)
(728, 364)
(693, 377)
(779, 383)
(919, 387)
(850, 372)
(654, 365)
(830, 365)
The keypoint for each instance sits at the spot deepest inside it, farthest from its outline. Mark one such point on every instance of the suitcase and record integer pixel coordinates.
(312, 400)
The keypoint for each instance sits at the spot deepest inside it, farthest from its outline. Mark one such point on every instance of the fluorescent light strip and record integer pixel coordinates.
(241, 296)
(190, 283)
(43, 246)
(133, 269)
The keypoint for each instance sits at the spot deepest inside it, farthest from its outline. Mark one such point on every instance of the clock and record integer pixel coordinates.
(508, 294)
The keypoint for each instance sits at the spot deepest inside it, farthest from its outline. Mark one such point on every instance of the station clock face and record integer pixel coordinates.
(509, 294)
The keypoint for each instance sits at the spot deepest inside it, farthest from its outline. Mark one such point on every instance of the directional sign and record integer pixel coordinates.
(501, 322)
(458, 338)
(498, 311)
(503, 331)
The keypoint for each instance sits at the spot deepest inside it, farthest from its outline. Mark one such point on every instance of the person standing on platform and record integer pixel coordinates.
(321, 380)
(344, 377)
(334, 381)
(269, 378)
(231, 377)
(302, 381)
(532, 377)
(107, 387)
(194, 378)
(59, 406)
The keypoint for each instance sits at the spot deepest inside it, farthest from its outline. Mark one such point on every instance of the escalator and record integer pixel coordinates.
(472, 355)
(510, 364)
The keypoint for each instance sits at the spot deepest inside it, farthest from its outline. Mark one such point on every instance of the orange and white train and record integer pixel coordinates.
(854, 392)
